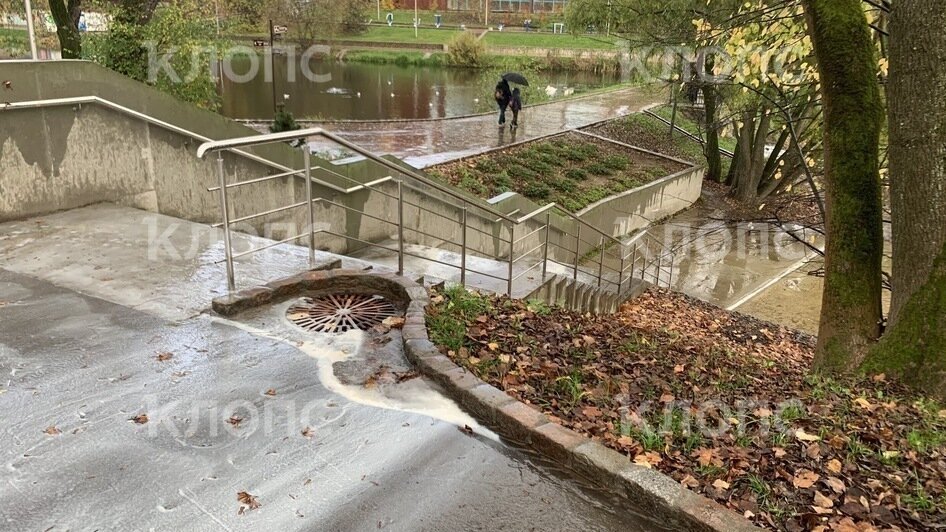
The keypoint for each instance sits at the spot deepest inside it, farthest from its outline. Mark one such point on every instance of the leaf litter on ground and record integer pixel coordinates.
(796, 451)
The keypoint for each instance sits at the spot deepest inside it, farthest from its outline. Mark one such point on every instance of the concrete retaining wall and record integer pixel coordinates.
(638, 208)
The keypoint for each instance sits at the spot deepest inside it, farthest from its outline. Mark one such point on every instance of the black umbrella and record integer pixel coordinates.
(515, 77)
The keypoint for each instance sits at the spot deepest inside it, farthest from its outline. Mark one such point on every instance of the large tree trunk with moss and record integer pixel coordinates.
(851, 305)
(915, 344)
(714, 162)
(66, 15)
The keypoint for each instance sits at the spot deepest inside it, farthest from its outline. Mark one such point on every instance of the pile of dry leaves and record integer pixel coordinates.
(721, 402)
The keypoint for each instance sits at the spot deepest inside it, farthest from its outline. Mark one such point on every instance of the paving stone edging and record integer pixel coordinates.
(666, 501)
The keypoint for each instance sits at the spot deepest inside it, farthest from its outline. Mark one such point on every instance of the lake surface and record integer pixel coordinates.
(361, 91)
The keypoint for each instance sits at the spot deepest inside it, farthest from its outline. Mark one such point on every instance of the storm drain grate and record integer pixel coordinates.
(338, 313)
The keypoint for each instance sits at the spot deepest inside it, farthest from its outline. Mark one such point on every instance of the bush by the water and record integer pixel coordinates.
(466, 50)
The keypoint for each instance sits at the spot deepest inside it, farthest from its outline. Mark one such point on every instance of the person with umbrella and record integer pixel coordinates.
(512, 98)
(503, 96)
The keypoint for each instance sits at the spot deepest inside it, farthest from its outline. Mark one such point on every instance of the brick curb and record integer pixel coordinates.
(665, 500)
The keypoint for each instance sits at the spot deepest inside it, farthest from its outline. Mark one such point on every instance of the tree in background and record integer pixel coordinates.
(314, 20)
(66, 15)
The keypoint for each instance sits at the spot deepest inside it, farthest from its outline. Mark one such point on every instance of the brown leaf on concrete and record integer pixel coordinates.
(247, 502)
(140, 419)
(164, 356)
(52, 431)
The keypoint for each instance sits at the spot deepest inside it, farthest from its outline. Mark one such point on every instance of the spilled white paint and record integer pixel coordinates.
(414, 396)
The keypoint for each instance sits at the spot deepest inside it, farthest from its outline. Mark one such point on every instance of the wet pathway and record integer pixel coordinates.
(425, 143)
(79, 362)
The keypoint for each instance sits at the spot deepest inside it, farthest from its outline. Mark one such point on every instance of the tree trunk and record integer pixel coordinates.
(851, 306)
(915, 346)
(66, 17)
(714, 162)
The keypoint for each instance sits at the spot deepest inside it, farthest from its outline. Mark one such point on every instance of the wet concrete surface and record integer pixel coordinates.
(143, 260)
(729, 264)
(423, 144)
(322, 451)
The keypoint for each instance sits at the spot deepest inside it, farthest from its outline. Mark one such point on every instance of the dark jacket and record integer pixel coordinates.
(503, 95)
(515, 103)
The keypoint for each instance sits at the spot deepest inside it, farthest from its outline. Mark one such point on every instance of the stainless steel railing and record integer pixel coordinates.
(613, 262)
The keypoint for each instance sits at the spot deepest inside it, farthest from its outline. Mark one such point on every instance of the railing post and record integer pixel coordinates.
(400, 228)
(512, 256)
(670, 275)
(545, 255)
(306, 156)
(621, 271)
(600, 261)
(577, 250)
(463, 248)
(225, 209)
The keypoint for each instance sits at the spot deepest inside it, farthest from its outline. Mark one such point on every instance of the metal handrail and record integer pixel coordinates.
(234, 145)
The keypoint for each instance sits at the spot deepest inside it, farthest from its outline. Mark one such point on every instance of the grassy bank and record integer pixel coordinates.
(495, 62)
(520, 39)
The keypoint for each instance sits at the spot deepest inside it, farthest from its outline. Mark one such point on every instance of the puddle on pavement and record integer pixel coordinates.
(357, 367)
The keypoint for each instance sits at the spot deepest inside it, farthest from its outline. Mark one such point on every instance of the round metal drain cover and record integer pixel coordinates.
(338, 313)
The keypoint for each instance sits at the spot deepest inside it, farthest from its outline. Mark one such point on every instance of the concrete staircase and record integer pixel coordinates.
(579, 296)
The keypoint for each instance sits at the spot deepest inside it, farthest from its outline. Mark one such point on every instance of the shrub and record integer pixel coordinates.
(502, 182)
(471, 184)
(565, 185)
(599, 168)
(517, 171)
(617, 162)
(465, 50)
(488, 166)
(536, 190)
(577, 174)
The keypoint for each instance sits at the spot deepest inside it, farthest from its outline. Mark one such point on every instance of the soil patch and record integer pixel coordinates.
(572, 170)
(721, 402)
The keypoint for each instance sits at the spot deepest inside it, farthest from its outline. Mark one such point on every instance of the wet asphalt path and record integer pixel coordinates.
(425, 143)
(75, 369)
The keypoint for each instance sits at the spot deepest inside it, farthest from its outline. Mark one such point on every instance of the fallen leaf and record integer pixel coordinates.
(805, 479)
(140, 419)
(393, 322)
(678, 368)
(721, 484)
(235, 420)
(247, 502)
(667, 398)
(591, 411)
(271, 392)
(837, 485)
(52, 431)
(863, 403)
(822, 501)
(763, 413)
(164, 356)
(493, 346)
(648, 459)
(707, 457)
(308, 432)
(779, 452)
(690, 482)
(813, 451)
(804, 436)
(834, 466)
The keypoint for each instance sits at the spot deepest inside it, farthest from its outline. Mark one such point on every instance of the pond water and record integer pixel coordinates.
(362, 91)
